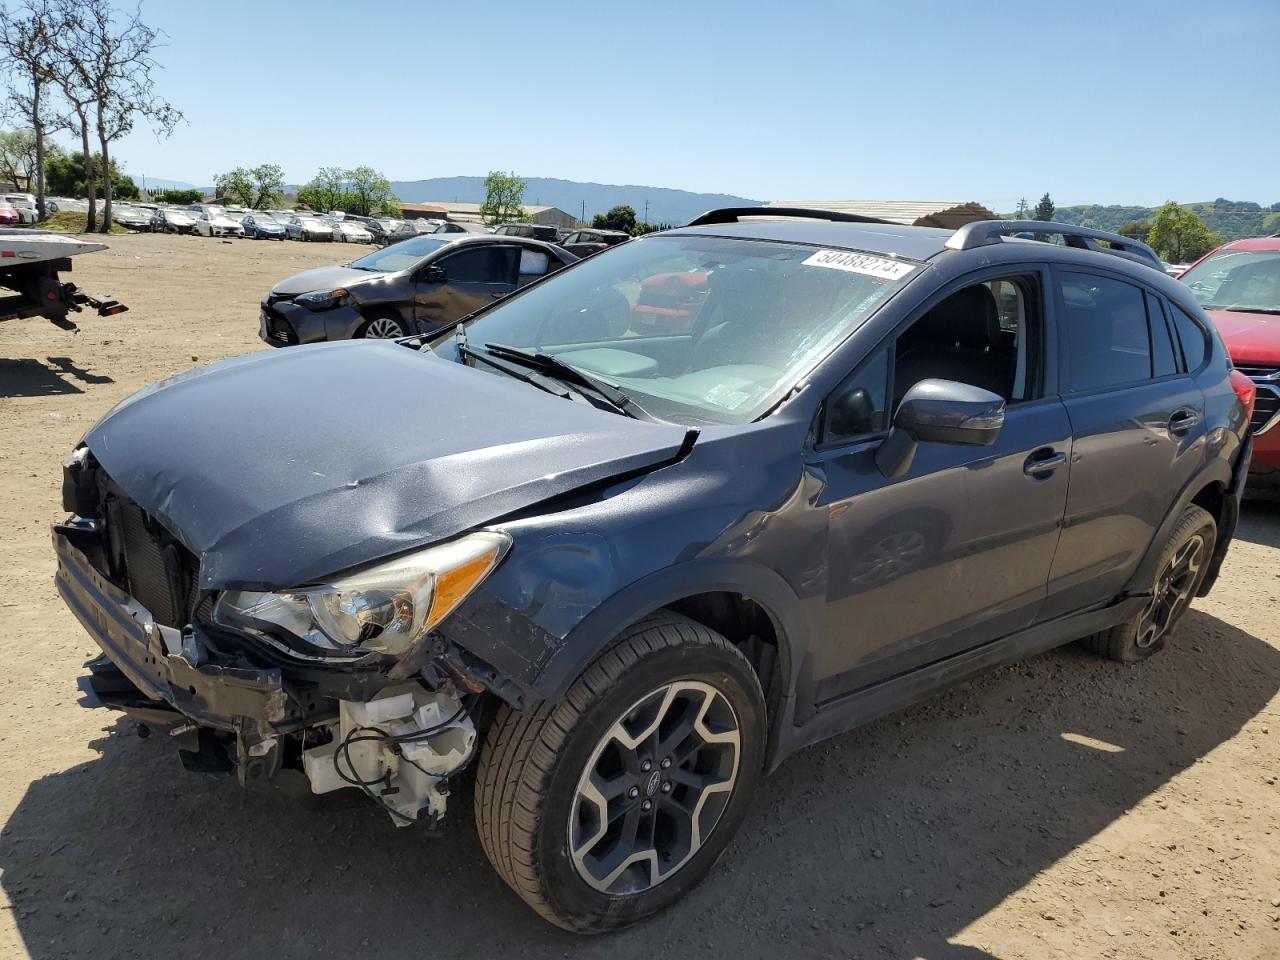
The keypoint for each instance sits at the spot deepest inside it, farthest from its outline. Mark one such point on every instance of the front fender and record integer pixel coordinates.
(595, 632)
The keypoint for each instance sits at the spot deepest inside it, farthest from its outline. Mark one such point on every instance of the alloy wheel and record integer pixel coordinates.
(383, 328)
(654, 788)
(1172, 592)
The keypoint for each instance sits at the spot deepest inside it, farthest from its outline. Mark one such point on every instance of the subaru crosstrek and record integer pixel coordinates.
(621, 570)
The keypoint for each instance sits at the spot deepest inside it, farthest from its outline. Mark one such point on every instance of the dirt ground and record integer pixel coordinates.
(1064, 807)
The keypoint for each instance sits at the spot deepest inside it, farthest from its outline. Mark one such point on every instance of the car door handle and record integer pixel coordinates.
(1043, 462)
(1182, 421)
(496, 296)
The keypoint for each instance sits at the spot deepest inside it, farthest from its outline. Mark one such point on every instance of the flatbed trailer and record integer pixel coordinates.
(30, 261)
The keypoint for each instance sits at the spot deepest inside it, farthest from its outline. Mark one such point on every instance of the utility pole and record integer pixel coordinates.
(646, 211)
(584, 212)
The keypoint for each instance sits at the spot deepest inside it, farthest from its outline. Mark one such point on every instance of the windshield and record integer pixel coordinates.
(402, 256)
(697, 329)
(1237, 280)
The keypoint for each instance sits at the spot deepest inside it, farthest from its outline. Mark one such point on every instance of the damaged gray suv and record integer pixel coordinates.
(620, 543)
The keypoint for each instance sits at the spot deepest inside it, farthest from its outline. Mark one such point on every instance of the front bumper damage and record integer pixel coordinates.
(284, 323)
(303, 730)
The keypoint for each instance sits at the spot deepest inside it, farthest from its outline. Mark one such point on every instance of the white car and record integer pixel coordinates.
(218, 225)
(25, 204)
(350, 231)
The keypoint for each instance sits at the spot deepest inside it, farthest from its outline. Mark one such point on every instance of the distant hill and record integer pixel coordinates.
(1232, 219)
(666, 205)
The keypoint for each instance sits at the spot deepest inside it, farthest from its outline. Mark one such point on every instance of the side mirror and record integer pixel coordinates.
(433, 273)
(939, 411)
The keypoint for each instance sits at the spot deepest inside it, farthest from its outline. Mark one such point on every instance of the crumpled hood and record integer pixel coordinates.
(324, 278)
(282, 467)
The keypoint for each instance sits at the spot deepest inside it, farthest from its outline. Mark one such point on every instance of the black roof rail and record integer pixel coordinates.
(980, 233)
(734, 214)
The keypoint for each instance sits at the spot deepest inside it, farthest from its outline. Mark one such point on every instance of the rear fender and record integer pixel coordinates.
(1216, 471)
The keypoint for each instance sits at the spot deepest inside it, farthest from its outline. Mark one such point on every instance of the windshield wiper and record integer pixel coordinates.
(526, 374)
(606, 390)
(1238, 308)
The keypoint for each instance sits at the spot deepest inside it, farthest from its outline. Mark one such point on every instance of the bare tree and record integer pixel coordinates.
(108, 67)
(28, 56)
(78, 99)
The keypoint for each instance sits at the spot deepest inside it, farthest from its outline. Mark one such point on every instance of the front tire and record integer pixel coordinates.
(610, 805)
(383, 326)
(1183, 564)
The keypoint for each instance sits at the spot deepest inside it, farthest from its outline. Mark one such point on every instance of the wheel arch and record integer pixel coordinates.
(751, 605)
(1210, 488)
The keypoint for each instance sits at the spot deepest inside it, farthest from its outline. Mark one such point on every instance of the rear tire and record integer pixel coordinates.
(1184, 561)
(610, 805)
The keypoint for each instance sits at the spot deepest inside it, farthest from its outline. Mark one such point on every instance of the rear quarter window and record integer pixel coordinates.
(1193, 338)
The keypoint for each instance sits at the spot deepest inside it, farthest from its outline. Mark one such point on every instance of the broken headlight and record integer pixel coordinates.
(322, 299)
(383, 609)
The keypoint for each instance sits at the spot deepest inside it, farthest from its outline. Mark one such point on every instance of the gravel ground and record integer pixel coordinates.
(1063, 807)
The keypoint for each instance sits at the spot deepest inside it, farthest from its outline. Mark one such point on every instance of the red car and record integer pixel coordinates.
(1239, 285)
(9, 214)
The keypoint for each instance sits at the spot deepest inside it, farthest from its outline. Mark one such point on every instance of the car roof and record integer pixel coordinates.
(915, 243)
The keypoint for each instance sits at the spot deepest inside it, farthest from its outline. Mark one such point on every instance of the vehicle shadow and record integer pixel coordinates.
(31, 378)
(885, 842)
(1260, 522)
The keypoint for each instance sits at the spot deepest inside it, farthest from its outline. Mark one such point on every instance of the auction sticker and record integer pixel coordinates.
(863, 263)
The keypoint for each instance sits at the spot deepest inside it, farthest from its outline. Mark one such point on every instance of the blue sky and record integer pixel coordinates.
(1123, 101)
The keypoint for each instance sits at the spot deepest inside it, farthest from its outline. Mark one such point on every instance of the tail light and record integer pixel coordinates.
(1245, 390)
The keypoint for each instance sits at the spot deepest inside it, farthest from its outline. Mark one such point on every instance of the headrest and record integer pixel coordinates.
(968, 317)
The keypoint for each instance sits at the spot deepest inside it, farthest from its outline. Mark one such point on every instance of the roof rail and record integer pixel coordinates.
(734, 214)
(980, 233)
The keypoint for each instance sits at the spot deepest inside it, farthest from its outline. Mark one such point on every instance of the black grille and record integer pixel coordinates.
(159, 572)
(278, 328)
(1265, 407)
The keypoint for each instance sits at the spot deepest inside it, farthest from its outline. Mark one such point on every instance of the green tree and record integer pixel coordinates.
(643, 228)
(1137, 229)
(255, 188)
(1044, 209)
(18, 160)
(65, 176)
(325, 191)
(503, 198)
(621, 217)
(369, 193)
(178, 196)
(1178, 235)
(1021, 212)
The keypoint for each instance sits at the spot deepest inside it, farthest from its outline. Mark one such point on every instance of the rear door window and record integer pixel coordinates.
(1108, 339)
(533, 263)
(489, 264)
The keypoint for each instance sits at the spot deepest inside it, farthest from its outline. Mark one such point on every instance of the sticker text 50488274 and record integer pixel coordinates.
(881, 267)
